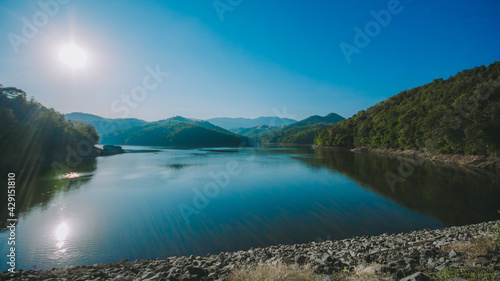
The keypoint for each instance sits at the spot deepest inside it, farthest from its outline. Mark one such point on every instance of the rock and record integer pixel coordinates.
(441, 267)
(320, 261)
(452, 254)
(122, 278)
(147, 275)
(430, 263)
(196, 271)
(419, 276)
(301, 260)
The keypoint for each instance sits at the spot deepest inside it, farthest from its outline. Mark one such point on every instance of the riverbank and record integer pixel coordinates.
(394, 256)
(490, 163)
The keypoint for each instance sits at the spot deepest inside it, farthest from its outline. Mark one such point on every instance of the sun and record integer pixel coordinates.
(73, 56)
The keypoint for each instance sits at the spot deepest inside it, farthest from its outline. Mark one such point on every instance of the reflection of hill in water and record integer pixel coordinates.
(455, 196)
(37, 187)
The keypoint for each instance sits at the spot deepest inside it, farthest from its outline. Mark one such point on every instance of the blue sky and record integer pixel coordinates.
(247, 59)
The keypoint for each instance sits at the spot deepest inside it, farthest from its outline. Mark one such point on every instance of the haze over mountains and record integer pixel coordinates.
(104, 125)
(180, 131)
(233, 123)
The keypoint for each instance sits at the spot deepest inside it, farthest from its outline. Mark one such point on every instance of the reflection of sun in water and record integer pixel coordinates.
(61, 232)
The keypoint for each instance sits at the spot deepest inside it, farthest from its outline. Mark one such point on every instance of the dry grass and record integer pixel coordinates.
(279, 272)
(293, 272)
(363, 273)
(473, 251)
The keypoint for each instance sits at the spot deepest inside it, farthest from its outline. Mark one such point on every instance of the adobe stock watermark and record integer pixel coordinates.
(455, 118)
(40, 19)
(201, 199)
(138, 94)
(222, 179)
(277, 121)
(372, 29)
(224, 6)
(280, 115)
(150, 82)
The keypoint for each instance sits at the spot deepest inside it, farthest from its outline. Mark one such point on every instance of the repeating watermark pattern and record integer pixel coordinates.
(320, 239)
(40, 19)
(221, 179)
(453, 117)
(12, 220)
(138, 94)
(224, 6)
(74, 158)
(280, 115)
(363, 37)
(151, 81)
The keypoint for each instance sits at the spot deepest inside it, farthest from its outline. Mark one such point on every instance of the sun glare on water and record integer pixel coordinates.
(61, 233)
(73, 56)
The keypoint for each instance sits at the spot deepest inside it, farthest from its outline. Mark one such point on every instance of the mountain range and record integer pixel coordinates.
(180, 131)
(302, 132)
(104, 125)
(176, 131)
(234, 123)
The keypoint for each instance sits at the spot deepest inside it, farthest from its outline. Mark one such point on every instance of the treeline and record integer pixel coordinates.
(458, 115)
(31, 133)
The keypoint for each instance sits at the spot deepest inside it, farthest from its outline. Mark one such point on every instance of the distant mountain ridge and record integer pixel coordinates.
(302, 132)
(233, 123)
(104, 125)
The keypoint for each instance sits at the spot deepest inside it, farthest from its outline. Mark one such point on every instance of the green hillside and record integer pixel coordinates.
(252, 131)
(176, 131)
(458, 115)
(302, 132)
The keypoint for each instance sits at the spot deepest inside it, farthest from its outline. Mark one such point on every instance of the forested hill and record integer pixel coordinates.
(302, 132)
(177, 131)
(458, 115)
(31, 133)
(249, 132)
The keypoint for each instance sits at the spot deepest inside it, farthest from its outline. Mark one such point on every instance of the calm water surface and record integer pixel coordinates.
(173, 202)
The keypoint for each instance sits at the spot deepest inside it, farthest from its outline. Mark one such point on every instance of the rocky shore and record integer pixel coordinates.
(398, 256)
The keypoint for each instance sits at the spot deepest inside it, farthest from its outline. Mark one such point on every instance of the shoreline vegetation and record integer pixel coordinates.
(470, 251)
(459, 115)
(33, 135)
(490, 163)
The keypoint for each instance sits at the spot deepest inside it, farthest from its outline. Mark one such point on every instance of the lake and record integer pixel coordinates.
(161, 202)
